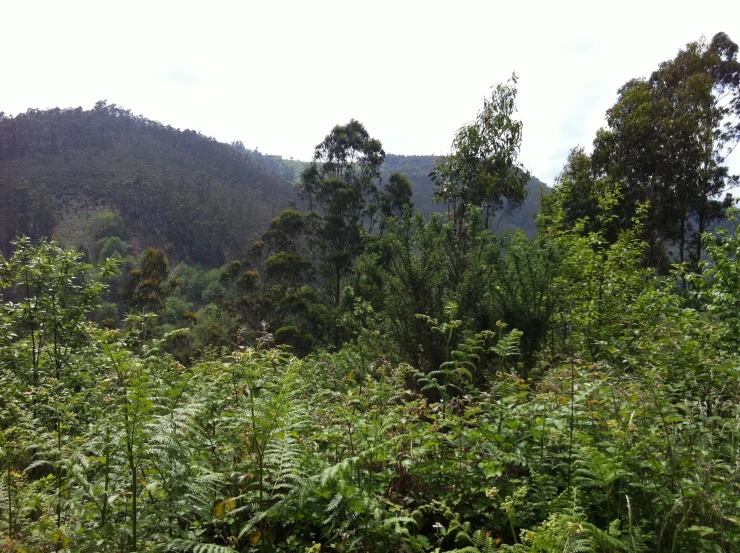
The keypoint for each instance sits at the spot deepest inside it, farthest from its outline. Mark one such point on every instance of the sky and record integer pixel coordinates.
(279, 75)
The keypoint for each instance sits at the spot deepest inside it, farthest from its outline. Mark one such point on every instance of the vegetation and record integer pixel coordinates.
(418, 170)
(483, 169)
(368, 379)
(198, 199)
(665, 147)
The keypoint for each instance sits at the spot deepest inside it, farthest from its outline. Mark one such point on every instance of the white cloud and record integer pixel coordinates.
(279, 75)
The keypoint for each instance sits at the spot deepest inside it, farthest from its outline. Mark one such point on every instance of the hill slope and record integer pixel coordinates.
(199, 199)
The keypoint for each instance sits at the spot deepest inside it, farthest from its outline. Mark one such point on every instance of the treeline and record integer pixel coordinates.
(664, 153)
(419, 171)
(199, 199)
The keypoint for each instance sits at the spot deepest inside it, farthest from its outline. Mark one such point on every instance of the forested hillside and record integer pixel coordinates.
(200, 200)
(365, 378)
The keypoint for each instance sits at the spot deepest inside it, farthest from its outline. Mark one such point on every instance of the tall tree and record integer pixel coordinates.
(667, 141)
(482, 169)
(341, 183)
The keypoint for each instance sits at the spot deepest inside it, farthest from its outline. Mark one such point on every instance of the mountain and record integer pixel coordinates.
(200, 200)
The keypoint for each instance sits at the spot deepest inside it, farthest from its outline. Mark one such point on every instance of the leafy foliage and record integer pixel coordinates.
(483, 169)
(464, 392)
(199, 199)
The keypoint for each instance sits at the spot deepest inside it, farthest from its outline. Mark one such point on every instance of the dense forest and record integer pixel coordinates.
(196, 198)
(365, 376)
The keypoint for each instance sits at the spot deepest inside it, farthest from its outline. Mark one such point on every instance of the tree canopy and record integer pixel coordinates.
(665, 148)
(482, 169)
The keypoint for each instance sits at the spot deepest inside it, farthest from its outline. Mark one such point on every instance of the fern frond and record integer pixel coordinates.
(196, 547)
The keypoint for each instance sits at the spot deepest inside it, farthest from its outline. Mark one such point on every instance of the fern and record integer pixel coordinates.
(195, 547)
(570, 531)
(483, 542)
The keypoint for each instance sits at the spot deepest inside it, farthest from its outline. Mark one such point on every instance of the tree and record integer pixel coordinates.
(580, 197)
(146, 289)
(667, 141)
(341, 184)
(271, 286)
(397, 196)
(286, 232)
(46, 295)
(482, 169)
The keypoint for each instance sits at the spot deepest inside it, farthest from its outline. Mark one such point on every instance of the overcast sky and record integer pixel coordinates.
(279, 75)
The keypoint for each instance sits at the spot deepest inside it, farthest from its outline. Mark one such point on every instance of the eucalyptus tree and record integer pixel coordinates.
(341, 185)
(483, 168)
(667, 141)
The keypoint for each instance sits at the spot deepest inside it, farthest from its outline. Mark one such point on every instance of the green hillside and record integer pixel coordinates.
(199, 199)
(352, 384)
